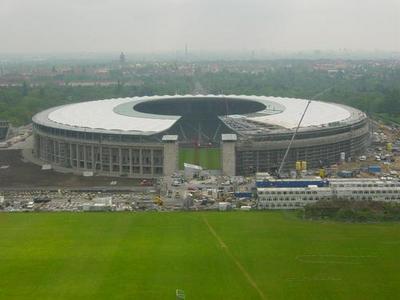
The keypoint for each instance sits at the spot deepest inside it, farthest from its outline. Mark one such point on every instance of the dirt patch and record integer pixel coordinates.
(25, 174)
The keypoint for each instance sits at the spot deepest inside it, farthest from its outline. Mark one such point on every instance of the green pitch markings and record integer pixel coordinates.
(234, 259)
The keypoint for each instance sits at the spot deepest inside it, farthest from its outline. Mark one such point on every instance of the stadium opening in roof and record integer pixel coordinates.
(147, 137)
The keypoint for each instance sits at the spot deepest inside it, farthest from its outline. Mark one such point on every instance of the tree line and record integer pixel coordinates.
(375, 91)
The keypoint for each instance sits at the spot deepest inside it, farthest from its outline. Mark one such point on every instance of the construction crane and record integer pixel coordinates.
(297, 129)
(292, 139)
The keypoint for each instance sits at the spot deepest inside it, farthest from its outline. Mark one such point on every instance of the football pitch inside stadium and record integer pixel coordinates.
(209, 255)
(208, 158)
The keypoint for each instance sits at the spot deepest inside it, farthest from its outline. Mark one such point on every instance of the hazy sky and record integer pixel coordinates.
(213, 25)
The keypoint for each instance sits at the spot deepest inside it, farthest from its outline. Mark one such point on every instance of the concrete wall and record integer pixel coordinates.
(228, 158)
(171, 152)
(144, 160)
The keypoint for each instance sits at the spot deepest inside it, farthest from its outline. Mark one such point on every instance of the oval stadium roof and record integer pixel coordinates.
(119, 115)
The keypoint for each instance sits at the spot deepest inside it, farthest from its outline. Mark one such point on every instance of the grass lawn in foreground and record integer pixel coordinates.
(208, 158)
(210, 255)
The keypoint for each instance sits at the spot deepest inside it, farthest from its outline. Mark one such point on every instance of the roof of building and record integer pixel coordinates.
(170, 138)
(119, 115)
(229, 137)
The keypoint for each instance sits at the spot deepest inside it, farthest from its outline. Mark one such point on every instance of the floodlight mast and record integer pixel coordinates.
(292, 139)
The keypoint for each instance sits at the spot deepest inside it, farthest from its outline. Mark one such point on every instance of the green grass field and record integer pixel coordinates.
(208, 158)
(241, 255)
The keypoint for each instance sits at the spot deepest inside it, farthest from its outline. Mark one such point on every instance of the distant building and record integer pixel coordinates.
(289, 197)
(99, 204)
(4, 126)
(122, 58)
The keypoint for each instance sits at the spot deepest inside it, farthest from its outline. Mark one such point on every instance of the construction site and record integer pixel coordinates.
(267, 168)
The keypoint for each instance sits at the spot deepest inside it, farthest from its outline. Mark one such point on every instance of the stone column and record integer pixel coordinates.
(93, 159)
(70, 155)
(84, 157)
(78, 158)
(130, 162)
(120, 159)
(141, 161)
(54, 152)
(171, 150)
(60, 158)
(101, 157)
(36, 145)
(228, 153)
(152, 162)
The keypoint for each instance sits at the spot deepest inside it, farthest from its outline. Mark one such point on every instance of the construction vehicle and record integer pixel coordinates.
(157, 200)
(146, 182)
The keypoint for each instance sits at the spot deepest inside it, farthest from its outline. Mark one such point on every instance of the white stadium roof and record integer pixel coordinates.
(318, 113)
(119, 115)
(101, 115)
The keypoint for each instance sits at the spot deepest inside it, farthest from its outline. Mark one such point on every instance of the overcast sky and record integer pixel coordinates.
(212, 25)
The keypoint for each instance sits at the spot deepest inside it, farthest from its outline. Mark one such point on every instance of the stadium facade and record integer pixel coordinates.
(141, 136)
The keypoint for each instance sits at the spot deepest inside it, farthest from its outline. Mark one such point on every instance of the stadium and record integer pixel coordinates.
(148, 137)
